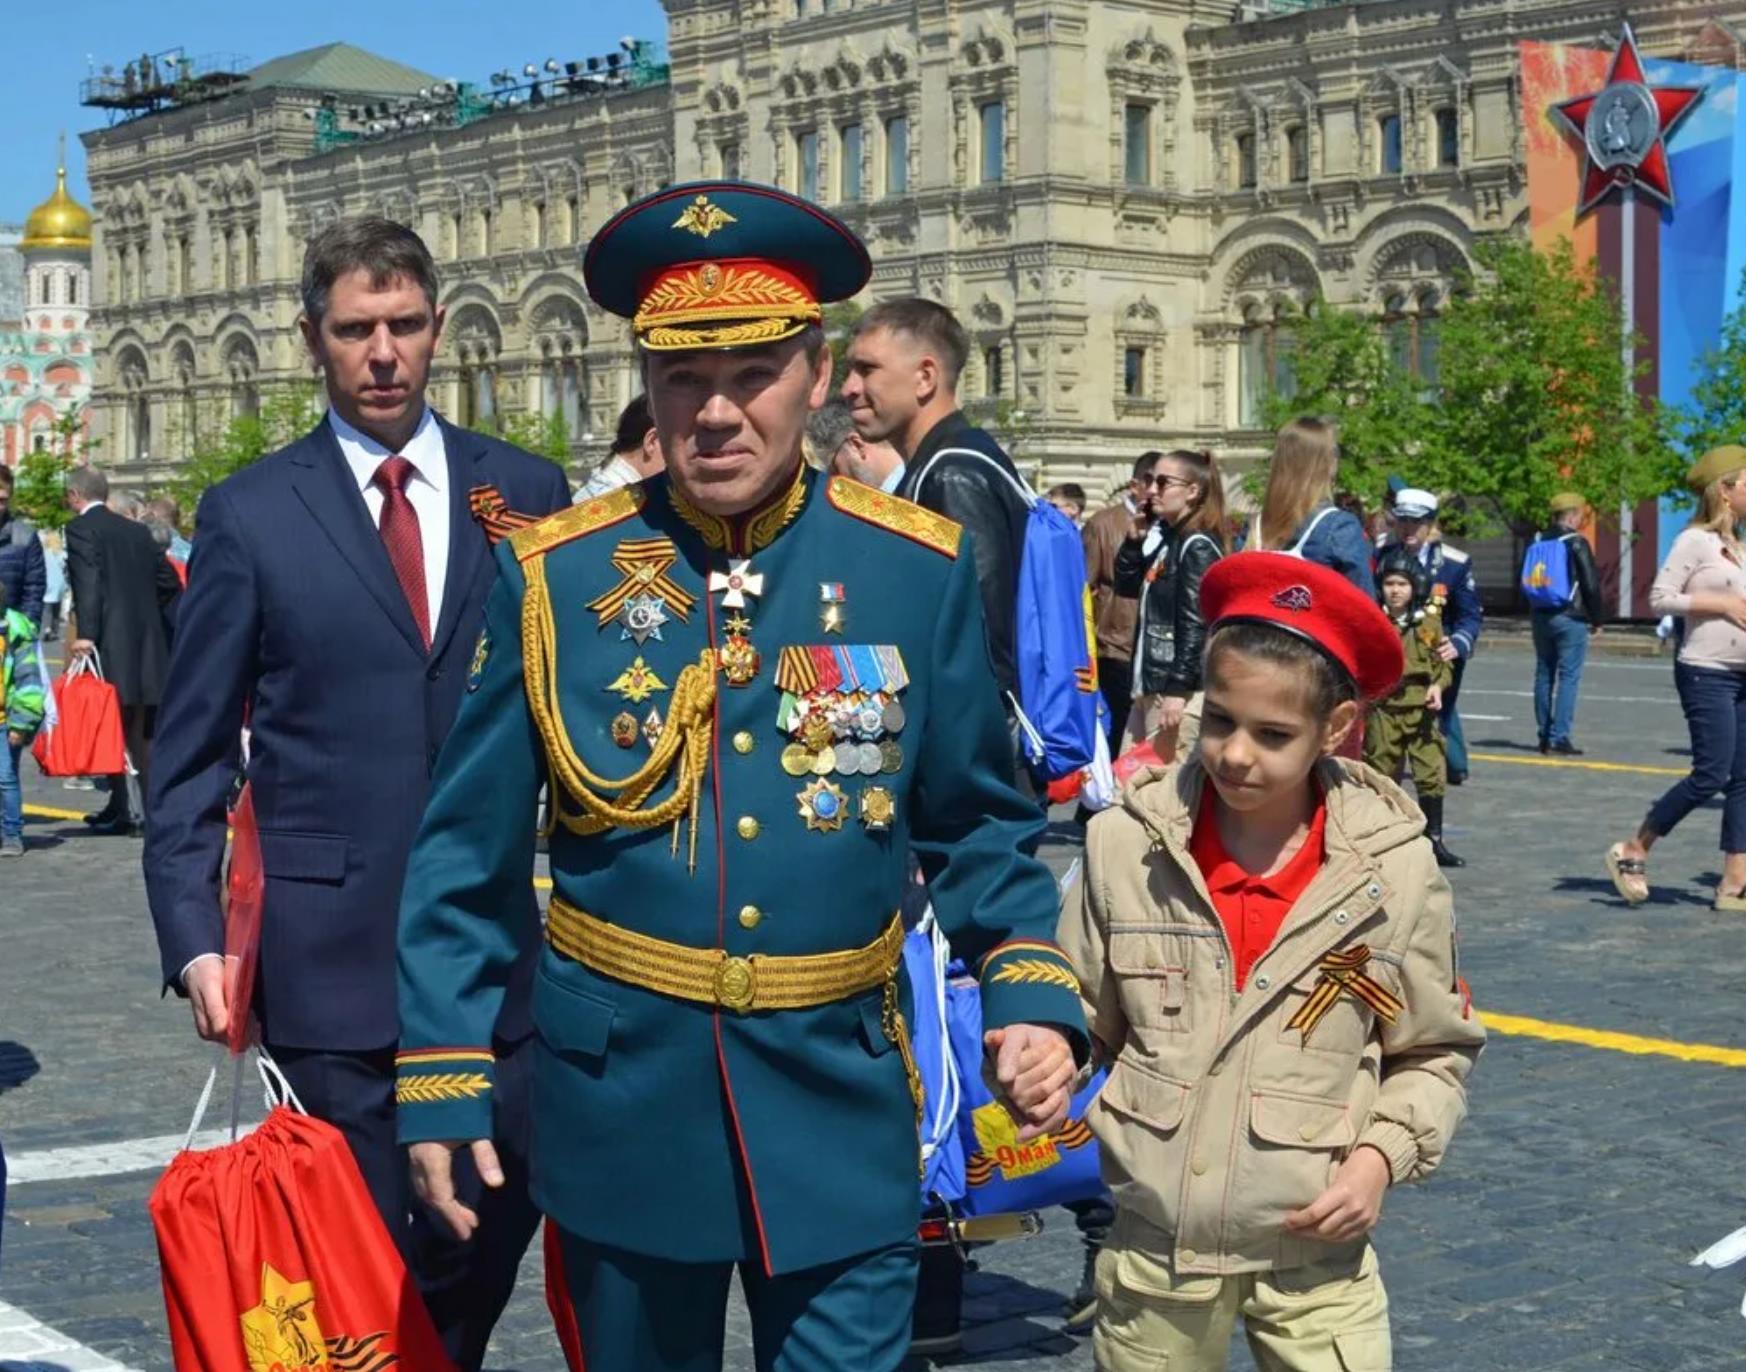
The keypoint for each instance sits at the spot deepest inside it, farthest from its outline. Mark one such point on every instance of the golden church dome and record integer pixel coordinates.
(59, 222)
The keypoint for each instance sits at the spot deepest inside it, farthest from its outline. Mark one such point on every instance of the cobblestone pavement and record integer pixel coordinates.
(1556, 1238)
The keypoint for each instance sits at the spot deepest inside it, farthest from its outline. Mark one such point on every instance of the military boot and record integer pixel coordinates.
(1432, 807)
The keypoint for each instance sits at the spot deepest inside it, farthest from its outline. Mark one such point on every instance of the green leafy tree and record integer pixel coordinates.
(1344, 372)
(1716, 413)
(839, 323)
(41, 479)
(543, 434)
(1535, 395)
(285, 412)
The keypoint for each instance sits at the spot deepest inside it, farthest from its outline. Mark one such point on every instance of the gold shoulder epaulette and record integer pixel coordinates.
(896, 514)
(599, 513)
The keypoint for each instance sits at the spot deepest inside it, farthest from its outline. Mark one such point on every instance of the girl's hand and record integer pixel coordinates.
(1735, 611)
(1351, 1205)
(1433, 698)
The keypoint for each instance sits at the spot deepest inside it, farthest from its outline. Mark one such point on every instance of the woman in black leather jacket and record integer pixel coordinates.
(1187, 501)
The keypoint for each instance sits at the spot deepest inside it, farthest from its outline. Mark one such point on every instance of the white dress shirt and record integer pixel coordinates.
(427, 488)
(895, 479)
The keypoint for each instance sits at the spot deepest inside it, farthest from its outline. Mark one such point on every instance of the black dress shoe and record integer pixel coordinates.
(1444, 857)
(1545, 747)
(102, 819)
(1567, 749)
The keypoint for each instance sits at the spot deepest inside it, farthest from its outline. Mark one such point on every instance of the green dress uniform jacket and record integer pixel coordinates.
(679, 1129)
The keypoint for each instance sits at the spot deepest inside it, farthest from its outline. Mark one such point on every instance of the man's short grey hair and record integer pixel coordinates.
(89, 483)
(828, 429)
(380, 247)
(129, 503)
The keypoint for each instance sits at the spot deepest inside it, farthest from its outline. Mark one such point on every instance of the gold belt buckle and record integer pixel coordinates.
(736, 985)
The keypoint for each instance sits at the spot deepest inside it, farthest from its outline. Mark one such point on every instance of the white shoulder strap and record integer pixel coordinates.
(1296, 549)
(1025, 493)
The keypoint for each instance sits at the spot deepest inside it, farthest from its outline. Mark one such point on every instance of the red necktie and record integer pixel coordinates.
(399, 526)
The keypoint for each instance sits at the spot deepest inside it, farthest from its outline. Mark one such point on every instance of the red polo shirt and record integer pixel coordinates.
(1250, 907)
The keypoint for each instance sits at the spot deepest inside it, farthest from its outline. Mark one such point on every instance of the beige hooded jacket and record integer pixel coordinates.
(1217, 1118)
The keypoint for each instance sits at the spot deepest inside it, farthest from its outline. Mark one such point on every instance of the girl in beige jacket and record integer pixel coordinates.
(1266, 951)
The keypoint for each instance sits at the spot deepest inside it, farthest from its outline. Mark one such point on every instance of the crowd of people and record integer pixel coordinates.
(402, 635)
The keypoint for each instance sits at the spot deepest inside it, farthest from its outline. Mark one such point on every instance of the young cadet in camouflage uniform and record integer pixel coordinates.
(753, 689)
(1403, 727)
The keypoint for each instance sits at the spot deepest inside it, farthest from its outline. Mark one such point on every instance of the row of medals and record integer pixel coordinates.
(847, 735)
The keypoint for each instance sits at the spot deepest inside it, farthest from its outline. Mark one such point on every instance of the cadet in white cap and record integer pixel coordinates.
(1454, 593)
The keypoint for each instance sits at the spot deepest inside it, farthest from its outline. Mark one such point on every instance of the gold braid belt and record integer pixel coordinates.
(710, 977)
(682, 749)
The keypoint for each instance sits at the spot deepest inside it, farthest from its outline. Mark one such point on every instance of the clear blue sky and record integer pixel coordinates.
(50, 43)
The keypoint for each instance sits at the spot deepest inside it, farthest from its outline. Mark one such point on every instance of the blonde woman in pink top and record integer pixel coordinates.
(1704, 580)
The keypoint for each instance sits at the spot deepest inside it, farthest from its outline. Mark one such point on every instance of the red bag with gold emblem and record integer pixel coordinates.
(275, 1259)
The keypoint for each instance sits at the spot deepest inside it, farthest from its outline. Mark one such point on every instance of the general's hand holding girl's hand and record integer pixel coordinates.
(1351, 1205)
(1033, 1065)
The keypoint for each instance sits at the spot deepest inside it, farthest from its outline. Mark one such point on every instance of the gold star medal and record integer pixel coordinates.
(832, 610)
(637, 682)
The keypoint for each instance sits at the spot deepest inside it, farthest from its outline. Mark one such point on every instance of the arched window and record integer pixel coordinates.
(1266, 361)
(1410, 329)
(242, 367)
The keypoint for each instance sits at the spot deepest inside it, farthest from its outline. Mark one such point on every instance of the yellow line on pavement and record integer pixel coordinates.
(1711, 1053)
(1586, 766)
(46, 812)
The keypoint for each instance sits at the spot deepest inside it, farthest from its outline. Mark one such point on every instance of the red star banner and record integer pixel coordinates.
(1623, 128)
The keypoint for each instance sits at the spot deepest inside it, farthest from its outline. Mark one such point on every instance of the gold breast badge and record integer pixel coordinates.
(637, 682)
(878, 809)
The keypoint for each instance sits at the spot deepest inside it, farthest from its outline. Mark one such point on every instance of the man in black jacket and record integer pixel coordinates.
(22, 569)
(904, 362)
(122, 584)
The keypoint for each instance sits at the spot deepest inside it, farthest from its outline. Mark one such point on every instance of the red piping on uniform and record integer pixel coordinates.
(721, 942)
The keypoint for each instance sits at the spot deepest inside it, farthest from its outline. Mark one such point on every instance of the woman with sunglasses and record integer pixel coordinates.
(1187, 499)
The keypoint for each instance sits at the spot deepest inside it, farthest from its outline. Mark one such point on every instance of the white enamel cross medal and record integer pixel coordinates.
(738, 582)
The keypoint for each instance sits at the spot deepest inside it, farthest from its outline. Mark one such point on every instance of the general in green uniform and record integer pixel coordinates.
(1403, 727)
(753, 691)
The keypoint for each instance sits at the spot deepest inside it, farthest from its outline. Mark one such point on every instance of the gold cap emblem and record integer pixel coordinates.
(703, 218)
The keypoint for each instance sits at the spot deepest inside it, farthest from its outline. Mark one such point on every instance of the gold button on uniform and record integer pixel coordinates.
(742, 742)
(750, 916)
(748, 828)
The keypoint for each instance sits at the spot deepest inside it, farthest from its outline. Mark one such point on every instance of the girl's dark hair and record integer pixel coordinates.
(1208, 514)
(1325, 681)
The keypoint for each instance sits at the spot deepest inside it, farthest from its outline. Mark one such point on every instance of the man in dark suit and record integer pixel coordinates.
(335, 595)
(121, 587)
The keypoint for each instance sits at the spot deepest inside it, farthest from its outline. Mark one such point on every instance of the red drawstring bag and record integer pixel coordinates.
(244, 893)
(274, 1256)
(275, 1260)
(85, 737)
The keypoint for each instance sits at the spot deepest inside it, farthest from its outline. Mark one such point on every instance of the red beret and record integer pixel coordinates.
(1312, 601)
